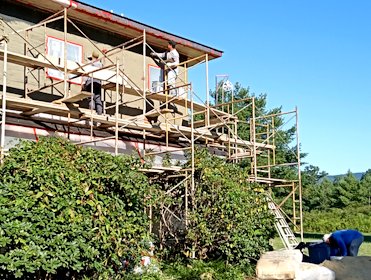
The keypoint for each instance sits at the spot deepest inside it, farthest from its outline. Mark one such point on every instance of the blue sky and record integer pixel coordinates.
(313, 54)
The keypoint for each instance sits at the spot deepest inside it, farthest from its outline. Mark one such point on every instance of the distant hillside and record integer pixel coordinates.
(358, 176)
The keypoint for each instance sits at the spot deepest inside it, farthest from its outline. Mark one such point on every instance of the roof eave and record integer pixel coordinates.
(155, 36)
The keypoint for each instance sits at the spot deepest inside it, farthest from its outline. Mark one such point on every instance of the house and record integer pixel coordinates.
(40, 33)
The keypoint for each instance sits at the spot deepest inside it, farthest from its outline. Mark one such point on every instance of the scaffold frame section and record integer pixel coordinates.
(216, 125)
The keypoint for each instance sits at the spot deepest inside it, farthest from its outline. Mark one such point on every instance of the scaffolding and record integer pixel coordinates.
(215, 126)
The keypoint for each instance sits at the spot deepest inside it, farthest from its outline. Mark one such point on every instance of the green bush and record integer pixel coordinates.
(356, 217)
(229, 219)
(69, 212)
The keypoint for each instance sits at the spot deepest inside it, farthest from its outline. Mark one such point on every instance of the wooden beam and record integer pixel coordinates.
(178, 100)
(56, 63)
(74, 97)
(21, 104)
(224, 138)
(31, 107)
(213, 121)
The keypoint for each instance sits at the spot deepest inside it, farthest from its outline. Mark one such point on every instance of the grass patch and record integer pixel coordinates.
(201, 270)
(365, 249)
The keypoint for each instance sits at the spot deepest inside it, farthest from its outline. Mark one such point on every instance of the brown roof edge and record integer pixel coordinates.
(95, 12)
(106, 15)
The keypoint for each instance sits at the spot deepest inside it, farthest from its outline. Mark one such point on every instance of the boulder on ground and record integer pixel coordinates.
(279, 265)
(310, 271)
(350, 268)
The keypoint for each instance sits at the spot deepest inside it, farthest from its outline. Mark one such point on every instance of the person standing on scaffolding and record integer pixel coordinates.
(96, 100)
(171, 60)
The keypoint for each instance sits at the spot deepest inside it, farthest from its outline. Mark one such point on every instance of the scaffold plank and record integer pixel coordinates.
(224, 139)
(74, 97)
(212, 121)
(56, 63)
(31, 107)
(162, 97)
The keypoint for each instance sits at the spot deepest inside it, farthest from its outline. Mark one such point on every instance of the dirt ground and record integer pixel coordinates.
(351, 268)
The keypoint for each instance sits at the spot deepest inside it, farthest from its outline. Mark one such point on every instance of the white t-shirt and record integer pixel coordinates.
(172, 55)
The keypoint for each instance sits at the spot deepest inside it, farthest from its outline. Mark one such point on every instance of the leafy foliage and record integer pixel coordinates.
(67, 211)
(335, 218)
(229, 218)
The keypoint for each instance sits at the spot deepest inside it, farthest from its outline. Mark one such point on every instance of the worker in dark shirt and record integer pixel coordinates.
(96, 99)
(347, 241)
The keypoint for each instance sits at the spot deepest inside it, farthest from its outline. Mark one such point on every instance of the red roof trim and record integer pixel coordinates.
(134, 25)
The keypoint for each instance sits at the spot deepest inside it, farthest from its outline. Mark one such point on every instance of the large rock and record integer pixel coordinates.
(310, 271)
(350, 268)
(279, 265)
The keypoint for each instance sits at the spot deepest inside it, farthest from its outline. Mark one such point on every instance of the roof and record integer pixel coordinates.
(124, 26)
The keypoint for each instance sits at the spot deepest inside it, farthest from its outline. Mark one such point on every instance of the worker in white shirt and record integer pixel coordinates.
(171, 58)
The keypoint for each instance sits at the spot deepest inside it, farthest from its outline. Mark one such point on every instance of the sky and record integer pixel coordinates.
(313, 54)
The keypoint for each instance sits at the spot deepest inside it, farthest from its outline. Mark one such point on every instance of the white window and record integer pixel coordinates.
(55, 48)
(155, 78)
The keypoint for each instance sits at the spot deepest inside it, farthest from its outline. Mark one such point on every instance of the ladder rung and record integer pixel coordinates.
(284, 230)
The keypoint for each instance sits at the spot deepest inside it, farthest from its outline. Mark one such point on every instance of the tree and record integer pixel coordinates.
(318, 196)
(365, 188)
(316, 188)
(346, 191)
(312, 175)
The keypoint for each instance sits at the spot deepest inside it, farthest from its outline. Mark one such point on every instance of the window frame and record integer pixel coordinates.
(76, 81)
(149, 66)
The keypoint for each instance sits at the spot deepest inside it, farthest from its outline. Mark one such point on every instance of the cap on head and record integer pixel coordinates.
(94, 55)
(172, 43)
(326, 237)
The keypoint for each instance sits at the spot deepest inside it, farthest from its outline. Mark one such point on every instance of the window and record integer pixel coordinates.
(155, 78)
(55, 48)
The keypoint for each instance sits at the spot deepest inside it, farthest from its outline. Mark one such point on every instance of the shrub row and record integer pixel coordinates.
(356, 217)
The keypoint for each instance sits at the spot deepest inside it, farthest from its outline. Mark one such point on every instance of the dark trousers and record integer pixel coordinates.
(96, 100)
(354, 246)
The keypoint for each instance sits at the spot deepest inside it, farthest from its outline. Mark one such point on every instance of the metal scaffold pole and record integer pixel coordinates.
(207, 91)
(144, 85)
(186, 200)
(65, 76)
(299, 174)
(253, 140)
(117, 108)
(144, 72)
(3, 103)
(294, 216)
(192, 161)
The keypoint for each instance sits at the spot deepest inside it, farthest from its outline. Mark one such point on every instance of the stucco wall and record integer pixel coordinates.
(131, 61)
